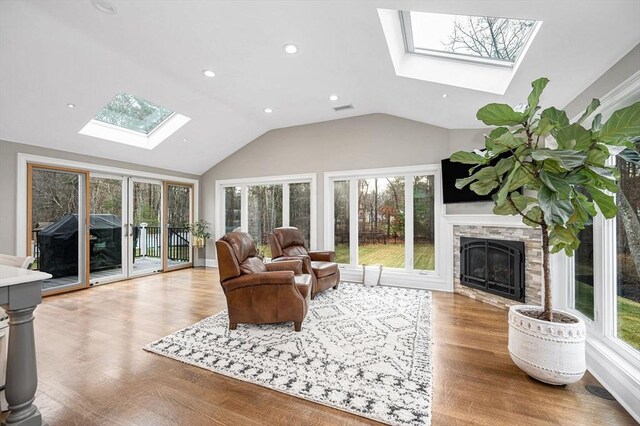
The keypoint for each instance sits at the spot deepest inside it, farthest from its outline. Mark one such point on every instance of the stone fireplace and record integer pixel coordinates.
(498, 265)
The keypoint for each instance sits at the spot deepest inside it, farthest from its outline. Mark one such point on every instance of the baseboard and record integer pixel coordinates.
(211, 263)
(618, 376)
(399, 279)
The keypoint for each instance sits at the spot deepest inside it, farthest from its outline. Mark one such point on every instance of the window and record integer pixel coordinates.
(232, 205)
(424, 232)
(265, 214)
(381, 222)
(300, 208)
(133, 113)
(259, 205)
(385, 217)
(583, 273)
(497, 41)
(628, 255)
(341, 220)
(134, 121)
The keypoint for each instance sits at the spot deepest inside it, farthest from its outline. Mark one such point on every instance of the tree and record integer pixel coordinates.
(497, 38)
(568, 181)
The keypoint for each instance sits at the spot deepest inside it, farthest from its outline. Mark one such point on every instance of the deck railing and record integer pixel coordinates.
(178, 243)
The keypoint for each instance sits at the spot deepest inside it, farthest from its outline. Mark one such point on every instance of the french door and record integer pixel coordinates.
(58, 225)
(88, 228)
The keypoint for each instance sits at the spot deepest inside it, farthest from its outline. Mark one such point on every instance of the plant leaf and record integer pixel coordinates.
(630, 155)
(556, 183)
(555, 210)
(605, 202)
(573, 137)
(467, 158)
(568, 159)
(557, 118)
(534, 97)
(595, 103)
(623, 124)
(534, 213)
(483, 187)
(499, 115)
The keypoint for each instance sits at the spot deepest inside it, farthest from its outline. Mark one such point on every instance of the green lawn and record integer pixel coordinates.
(628, 314)
(389, 255)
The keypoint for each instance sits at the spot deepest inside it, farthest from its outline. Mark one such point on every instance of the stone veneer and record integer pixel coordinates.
(533, 262)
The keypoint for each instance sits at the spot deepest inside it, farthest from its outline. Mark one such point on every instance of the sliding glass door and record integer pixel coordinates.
(145, 230)
(107, 240)
(57, 225)
(179, 214)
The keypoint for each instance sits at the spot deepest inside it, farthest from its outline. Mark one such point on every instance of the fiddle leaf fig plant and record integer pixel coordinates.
(551, 172)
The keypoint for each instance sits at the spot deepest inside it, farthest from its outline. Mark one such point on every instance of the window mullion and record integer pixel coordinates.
(285, 204)
(408, 223)
(353, 221)
(244, 208)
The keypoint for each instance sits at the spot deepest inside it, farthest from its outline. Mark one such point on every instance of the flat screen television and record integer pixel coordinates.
(452, 171)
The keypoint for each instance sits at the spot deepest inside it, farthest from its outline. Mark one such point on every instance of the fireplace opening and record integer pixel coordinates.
(494, 266)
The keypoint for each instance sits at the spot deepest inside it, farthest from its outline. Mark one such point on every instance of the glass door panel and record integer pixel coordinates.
(107, 248)
(57, 218)
(145, 214)
(179, 215)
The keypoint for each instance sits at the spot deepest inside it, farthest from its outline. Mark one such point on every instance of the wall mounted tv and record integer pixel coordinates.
(450, 194)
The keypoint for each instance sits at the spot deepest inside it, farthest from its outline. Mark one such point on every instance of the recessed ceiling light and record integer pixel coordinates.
(333, 98)
(268, 110)
(105, 6)
(444, 95)
(185, 140)
(208, 73)
(71, 105)
(290, 48)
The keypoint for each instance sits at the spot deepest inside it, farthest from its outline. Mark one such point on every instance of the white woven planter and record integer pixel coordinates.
(553, 353)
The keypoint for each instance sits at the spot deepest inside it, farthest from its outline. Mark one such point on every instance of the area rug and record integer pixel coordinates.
(365, 350)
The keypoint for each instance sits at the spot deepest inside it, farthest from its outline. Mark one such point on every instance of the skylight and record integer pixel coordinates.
(133, 113)
(134, 121)
(487, 39)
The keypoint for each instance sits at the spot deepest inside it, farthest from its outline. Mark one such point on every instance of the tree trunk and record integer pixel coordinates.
(546, 280)
(631, 225)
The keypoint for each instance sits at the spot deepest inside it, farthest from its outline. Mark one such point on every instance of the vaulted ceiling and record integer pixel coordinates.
(57, 52)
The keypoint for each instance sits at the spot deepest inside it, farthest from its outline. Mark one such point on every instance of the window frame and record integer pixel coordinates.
(245, 183)
(352, 176)
(604, 326)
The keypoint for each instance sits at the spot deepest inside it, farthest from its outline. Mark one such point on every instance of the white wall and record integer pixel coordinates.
(364, 142)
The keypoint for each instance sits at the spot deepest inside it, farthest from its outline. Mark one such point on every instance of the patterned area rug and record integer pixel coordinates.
(362, 350)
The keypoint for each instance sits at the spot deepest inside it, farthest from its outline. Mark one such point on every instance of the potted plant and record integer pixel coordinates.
(553, 173)
(200, 232)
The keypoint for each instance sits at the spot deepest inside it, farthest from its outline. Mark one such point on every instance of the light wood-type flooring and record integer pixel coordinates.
(93, 371)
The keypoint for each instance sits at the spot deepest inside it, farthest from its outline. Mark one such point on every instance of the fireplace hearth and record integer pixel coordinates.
(493, 266)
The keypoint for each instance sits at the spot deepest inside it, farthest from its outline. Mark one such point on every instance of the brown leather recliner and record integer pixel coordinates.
(288, 243)
(257, 293)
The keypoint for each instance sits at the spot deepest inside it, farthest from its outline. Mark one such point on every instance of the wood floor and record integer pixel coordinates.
(93, 371)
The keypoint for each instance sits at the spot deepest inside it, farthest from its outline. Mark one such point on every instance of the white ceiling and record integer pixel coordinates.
(58, 52)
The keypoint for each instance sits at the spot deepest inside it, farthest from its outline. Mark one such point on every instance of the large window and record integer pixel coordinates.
(381, 221)
(628, 255)
(258, 205)
(265, 214)
(385, 217)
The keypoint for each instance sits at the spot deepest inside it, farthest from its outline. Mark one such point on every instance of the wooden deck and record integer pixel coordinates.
(93, 371)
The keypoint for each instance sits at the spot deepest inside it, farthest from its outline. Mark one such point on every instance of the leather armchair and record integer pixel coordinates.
(257, 293)
(288, 243)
